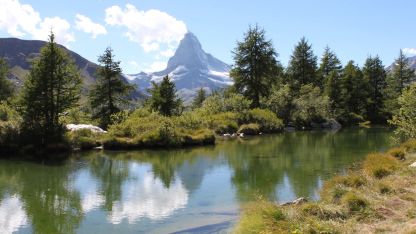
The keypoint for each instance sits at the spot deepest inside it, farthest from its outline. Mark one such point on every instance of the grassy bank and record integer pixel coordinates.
(378, 197)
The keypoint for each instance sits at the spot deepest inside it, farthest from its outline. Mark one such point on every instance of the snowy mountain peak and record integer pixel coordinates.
(191, 68)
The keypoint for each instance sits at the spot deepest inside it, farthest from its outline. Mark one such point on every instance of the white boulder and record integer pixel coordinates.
(77, 127)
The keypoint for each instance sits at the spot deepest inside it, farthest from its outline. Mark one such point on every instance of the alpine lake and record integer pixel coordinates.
(193, 190)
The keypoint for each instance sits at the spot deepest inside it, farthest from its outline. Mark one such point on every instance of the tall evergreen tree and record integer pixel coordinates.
(199, 98)
(353, 93)
(332, 89)
(400, 76)
(6, 87)
(329, 63)
(164, 99)
(52, 86)
(256, 67)
(375, 74)
(302, 67)
(108, 95)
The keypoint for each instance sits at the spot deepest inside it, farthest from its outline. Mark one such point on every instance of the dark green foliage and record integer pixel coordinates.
(256, 67)
(310, 106)
(52, 87)
(400, 76)
(109, 95)
(199, 99)
(302, 67)
(353, 95)
(267, 120)
(164, 99)
(6, 87)
(375, 74)
(332, 90)
(329, 63)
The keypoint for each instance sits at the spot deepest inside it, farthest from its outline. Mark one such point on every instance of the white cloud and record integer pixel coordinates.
(152, 29)
(168, 53)
(85, 24)
(21, 19)
(409, 51)
(156, 66)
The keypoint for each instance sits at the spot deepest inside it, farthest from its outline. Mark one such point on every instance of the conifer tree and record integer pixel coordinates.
(329, 63)
(353, 94)
(52, 87)
(6, 87)
(109, 94)
(164, 99)
(375, 74)
(332, 90)
(199, 98)
(400, 76)
(302, 67)
(255, 65)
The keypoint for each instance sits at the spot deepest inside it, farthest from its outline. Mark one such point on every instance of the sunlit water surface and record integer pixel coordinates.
(198, 190)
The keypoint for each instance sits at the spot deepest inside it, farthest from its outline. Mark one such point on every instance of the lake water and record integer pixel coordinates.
(197, 190)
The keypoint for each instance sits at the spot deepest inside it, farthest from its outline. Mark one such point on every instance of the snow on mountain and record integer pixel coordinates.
(191, 68)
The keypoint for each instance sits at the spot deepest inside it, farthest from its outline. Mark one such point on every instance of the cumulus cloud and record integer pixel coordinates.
(85, 24)
(409, 51)
(21, 19)
(152, 29)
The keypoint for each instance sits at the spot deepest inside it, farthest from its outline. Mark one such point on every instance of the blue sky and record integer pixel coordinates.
(144, 33)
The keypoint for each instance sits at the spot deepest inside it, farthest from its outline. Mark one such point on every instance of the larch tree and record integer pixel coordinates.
(400, 76)
(255, 65)
(329, 63)
(302, 67)
(110, 93)
(52, 87)
(199, 98)
(375, 74)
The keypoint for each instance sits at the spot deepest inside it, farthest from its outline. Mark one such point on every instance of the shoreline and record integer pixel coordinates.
(378, 196)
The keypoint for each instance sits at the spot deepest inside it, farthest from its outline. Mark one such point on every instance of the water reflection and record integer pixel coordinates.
(12, 215)
(145, 191)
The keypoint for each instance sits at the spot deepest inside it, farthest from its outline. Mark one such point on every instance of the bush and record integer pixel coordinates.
(249, 129)
(266, 119)
(379, 165)
(398, 153)
(84, 139)
(222, 123)
(354, 202)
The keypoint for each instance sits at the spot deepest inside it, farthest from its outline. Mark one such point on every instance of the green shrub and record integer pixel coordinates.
(354, 202)
(222, 123)
(379, 165)
(249, 129)
(266, 119)
(398, 153)
(84, 139)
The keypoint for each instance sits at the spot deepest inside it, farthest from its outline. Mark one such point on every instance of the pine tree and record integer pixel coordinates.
(163, 98)
(353, 94)
(329, 63)
(400, 76)
(6, 87)
(256, 67)
(375, 74)
(109, 94)
(302, 67)
(52, 87)
(199, 98)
